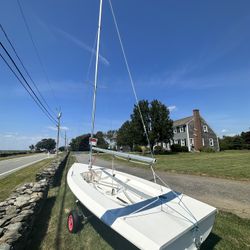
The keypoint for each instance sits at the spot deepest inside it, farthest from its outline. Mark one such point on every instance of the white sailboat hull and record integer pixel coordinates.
(145, 213)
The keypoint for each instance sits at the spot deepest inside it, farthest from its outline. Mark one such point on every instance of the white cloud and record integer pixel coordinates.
(224, 130)
(81, 44)
(8, 136)
(52, 128)
(55, 128)
(172, 108)
(64, 128)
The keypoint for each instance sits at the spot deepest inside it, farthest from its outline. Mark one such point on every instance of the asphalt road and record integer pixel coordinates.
(11, 165)
(227, 195)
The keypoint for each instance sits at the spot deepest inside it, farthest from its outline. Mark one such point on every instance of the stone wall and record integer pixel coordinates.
(19, 211)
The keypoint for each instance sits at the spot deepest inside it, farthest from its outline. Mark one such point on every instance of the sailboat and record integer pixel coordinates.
(148, 214)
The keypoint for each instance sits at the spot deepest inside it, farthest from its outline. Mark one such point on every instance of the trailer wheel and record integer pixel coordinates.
(73, 221)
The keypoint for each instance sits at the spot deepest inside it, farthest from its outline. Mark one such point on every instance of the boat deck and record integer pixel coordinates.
(145, 213)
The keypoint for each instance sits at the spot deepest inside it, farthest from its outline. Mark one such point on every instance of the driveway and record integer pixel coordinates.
(228, 195)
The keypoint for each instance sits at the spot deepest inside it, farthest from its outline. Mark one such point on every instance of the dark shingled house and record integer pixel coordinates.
(195, 133)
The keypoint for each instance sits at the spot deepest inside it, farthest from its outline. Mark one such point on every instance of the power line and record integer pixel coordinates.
(36, 99)
(25, 87)
(25, 69)
(35, 47)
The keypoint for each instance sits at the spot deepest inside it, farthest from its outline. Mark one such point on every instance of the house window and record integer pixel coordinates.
(203, 142)
(182, 129)
(175, 141)
(175, 131)
(211, 142)
(205, 129)
(183, 142)
(192, 141)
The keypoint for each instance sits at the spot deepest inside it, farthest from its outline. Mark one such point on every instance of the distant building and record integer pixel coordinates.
(195, 133)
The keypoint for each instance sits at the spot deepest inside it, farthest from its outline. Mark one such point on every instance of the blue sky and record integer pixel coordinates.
(187, 54)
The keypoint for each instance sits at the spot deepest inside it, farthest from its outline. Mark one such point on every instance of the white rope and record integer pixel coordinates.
(130, 76)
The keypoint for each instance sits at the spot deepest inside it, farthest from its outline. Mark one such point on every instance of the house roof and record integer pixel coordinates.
(182, 121)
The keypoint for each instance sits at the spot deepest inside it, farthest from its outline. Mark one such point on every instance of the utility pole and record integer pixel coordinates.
(65, 141)
(58, 131)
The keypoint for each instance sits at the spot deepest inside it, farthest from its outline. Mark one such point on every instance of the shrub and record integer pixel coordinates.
(158, 150)
(179, 148)
(184, 149)
(207, 150)
(137, 148)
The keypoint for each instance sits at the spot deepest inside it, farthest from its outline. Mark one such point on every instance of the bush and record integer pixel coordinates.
(137, 148)
(158, 150)
(184, 149)
(207, 150)
(179, 148)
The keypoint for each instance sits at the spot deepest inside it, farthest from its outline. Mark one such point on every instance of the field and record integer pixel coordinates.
(229, 232)
(232, 164)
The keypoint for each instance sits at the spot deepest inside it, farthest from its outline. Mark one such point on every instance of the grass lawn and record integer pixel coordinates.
(230, 231)
(27, 174)
(232, 164)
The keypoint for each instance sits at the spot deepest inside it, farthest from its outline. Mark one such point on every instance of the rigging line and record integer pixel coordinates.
(180, 200)
(27, 82)
(36, 50)
(26, 88)
(130, 76)
(133, 86)
(25, 69)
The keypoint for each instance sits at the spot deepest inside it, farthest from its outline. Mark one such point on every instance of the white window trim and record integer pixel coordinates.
(211, 142)
(175, 141)
(203, 142)
(183, 142)
(191, 141)
(175, 131)
(205, 128)
(181, 129)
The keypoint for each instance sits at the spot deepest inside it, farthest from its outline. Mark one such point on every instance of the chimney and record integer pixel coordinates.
(197, 130)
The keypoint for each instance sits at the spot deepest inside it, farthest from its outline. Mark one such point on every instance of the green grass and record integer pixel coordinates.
(233, 164)
(228, 164)
(27, 174)
(229, 232)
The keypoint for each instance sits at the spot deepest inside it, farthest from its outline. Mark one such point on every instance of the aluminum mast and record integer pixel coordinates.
(95, 83)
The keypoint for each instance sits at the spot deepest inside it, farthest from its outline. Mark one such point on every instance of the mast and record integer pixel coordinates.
(95, 82)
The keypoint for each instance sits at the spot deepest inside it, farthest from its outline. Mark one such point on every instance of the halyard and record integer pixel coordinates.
(229, 232)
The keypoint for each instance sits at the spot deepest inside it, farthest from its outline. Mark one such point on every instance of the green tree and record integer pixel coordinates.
(125, 135)
(157, 123)
(102, 143)
(137, 129)
(46, 144)
(161, 126)
(80, 143)
(31, 147)
(246, 139)
(62, 148)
